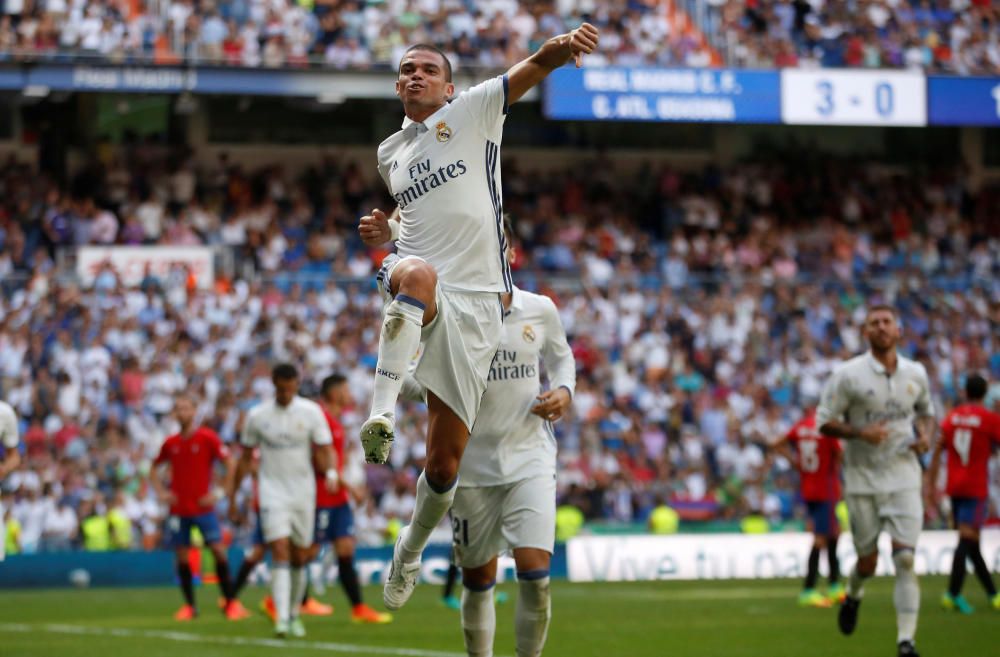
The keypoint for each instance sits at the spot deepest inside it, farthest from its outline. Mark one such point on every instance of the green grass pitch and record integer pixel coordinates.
(647, 619)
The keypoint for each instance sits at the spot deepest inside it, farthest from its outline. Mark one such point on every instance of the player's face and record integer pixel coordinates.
(184, 410)
(422, 82)
(285, 390)
(882, 330)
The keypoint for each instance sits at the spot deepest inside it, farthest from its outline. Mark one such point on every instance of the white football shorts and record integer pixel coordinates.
(487, 520)
(295, 523)
(458, 346)
(899, 513)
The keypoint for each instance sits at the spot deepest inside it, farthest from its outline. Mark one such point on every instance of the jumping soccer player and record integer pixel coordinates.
(191, 456)
(818, 461)
(968, 434)
(506, 496)
(442, 169)
(291, 432)
(873, 402)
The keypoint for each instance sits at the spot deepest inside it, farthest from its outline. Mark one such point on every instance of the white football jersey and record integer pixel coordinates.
(444, 174)
(508, 443)
(285, 436)
(861, 393)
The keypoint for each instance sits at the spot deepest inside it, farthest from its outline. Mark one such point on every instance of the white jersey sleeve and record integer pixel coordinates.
(320, 429)
(834, 399)
(9, 436)
(556, 353)
(250, 437)
(486, 102)
(923, 405)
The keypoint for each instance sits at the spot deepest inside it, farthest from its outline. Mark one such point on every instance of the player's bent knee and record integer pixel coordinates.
(867, 564)
(531, 559)
(902, 558)
(441, 471)
(415, 278)
(481, 578)
(968, 532)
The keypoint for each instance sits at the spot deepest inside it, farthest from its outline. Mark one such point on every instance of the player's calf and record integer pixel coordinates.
(479, 619)
(533, 612)
(906, 595)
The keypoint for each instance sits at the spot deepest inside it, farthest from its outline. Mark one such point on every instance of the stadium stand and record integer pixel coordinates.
(704, 308)
(957, 37)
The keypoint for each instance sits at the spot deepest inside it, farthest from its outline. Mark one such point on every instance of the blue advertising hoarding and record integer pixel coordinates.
(810, 97)
(154, 79)
(657, 94)
(963, 101)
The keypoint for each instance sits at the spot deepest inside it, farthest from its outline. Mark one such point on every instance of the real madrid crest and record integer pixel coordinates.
(443, 132)
(528, 333)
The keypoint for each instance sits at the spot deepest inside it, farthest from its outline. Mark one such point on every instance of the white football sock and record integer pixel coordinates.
(314, 574)
(479, 622)
(856, 584)
(906, 595)
(430, 508)
(532, 614)
(298, 590)
(397, 345)
(281, 590)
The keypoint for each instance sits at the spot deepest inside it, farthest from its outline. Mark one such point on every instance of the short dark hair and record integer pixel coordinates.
(975, 387)
(878, 307)
(284, 372)
(331, 382)
(430, 48)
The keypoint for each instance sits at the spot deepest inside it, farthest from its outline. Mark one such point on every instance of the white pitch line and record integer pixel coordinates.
(326, 646)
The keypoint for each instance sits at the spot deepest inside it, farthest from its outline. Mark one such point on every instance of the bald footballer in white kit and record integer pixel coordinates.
(880, 403)
(9, 438)
(442, 169)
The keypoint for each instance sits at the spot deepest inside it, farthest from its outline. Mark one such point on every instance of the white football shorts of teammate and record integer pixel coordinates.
(9, 438)
(290, 432)
(873, 401)
(442, 169)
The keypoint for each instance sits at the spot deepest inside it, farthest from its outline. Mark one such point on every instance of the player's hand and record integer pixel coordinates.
(583, 41)
(921, 445)
(552, 404)
(332, 484)
(207, 499)
(168, 498)
(374, 228)
(874, 434)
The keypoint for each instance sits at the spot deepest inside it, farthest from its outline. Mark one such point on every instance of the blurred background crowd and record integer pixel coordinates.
(955, 36)
(704, 307)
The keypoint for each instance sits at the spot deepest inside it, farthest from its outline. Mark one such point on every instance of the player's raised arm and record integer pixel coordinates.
(553, 54)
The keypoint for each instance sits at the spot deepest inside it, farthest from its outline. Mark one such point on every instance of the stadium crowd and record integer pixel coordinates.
(959, 36)
(704, 308)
